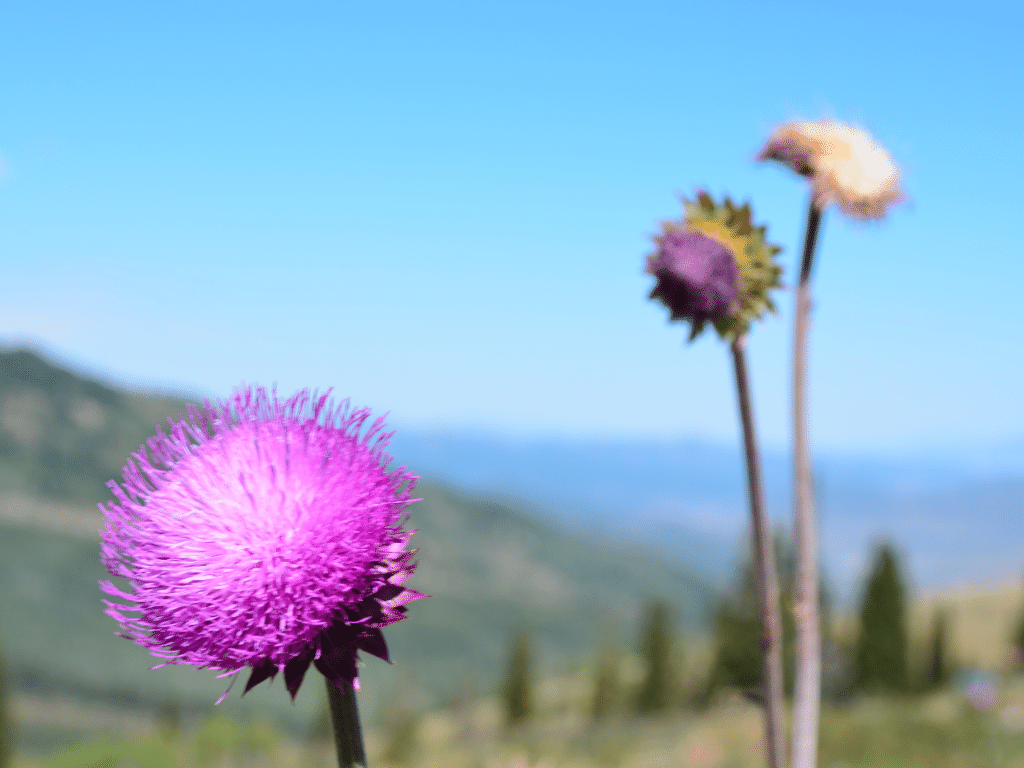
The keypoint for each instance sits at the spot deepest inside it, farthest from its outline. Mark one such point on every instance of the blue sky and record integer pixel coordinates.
(441, 209)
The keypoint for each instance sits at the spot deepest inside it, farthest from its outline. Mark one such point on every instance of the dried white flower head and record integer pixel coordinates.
(845, 166)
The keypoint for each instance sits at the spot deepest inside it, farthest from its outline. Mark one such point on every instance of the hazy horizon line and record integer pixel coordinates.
(951, 450)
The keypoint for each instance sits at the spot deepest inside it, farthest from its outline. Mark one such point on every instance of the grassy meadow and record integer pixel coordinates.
(981, 618)
(936, 729)
(80, 697)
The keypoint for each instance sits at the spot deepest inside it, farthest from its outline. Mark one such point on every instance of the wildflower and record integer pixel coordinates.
(714, 266)
(262, 534)
(696, 274)
(980, 688)
(845, 166)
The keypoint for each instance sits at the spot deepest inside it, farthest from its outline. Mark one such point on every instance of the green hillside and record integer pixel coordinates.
(488, 565)
(63, 436)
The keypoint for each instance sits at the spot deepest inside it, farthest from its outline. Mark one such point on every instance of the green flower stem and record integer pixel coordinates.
(807, 692)
(348, 737)
(764, 562)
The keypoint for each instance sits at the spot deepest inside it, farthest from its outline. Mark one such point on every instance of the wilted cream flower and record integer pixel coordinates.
(845, 166)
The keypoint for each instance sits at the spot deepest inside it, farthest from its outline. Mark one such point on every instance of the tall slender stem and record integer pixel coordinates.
(807, 692)
(348, 737)
(764, 562)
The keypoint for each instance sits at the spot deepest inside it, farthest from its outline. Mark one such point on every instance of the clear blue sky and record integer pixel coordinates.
(441, 209)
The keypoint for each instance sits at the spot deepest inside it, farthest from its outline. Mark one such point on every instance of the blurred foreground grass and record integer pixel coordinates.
(938, 730)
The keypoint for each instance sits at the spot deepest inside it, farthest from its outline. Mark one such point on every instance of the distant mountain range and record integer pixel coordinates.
(956, 518)
(491, 566)
(955, 512)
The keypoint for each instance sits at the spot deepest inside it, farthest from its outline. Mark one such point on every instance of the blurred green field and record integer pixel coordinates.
(982, 618)
(937, 730)
(940, 730)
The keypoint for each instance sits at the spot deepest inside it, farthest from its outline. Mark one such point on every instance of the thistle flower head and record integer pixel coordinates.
(263, 534)
(845, 166)
(696, 274)
(714, 266)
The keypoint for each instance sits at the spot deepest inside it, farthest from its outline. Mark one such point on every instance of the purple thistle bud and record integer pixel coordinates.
(697, 276)
(262, 534)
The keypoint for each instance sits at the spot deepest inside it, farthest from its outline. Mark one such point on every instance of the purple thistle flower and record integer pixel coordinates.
(697, 276)
(262, 534)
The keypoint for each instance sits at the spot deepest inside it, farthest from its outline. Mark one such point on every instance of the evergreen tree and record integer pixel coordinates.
(737, 661)
(1017, 640)
(517, 690)
(606, 684)
(463, 704)
(938, 670)
(738, 633)
(880, 661)
(835, 662)
(320, 729)
(655, 692)
(168, 717)
(6, 727)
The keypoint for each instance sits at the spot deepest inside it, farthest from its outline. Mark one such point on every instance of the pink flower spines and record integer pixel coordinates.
(252, 527)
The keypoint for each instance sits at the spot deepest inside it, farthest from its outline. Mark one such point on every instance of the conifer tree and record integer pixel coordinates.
(517, 691)
(737, 661)
(655, 692)
(320, 726)
(606, 684)
(1017, 640)
(169, 717)
(463, 704)
(938, 670)
(738, 633)
(835, 672)
(6, 727)
(880, 661)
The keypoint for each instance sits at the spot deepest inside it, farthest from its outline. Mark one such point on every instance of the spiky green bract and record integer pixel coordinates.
(880, 662)
(759, 273)
(517, 691)
(655, 694)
